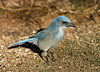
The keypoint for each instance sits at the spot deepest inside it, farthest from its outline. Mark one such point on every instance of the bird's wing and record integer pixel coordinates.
(42, 34)
(34, 40)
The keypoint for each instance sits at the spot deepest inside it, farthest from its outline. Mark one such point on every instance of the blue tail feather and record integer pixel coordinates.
(33, 40)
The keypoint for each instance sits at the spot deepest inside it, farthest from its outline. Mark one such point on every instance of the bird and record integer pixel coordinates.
(51, 36)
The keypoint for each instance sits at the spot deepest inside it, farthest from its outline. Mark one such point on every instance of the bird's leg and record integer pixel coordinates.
(40, 55)
(46, 59)
(45, 54)
(53, 59)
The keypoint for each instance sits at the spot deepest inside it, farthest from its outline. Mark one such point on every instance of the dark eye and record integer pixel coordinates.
(64, 22)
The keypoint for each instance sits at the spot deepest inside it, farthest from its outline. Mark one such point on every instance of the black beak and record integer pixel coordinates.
(72, 25)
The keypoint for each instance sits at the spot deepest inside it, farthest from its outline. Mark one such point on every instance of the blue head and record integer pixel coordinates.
(62, 22)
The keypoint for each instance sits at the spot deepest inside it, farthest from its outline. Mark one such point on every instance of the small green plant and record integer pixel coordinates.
(76, 2)
(0, 9)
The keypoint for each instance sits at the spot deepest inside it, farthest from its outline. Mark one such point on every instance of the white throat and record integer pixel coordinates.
(60, 34)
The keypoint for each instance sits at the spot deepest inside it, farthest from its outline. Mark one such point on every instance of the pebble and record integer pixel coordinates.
(1, 60)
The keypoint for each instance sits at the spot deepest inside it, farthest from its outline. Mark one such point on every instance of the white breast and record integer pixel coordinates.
(60, 34)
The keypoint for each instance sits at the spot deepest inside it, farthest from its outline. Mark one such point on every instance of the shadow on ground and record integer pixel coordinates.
(30, 46)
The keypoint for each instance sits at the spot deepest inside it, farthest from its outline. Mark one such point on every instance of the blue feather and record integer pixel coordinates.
(27, 40)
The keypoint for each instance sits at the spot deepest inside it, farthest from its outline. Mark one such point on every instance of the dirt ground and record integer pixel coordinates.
(79, 51)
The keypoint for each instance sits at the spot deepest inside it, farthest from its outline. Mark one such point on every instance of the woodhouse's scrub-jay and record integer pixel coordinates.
(50, 36)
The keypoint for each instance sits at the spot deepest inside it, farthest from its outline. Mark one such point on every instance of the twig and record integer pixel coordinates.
(19, 9)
